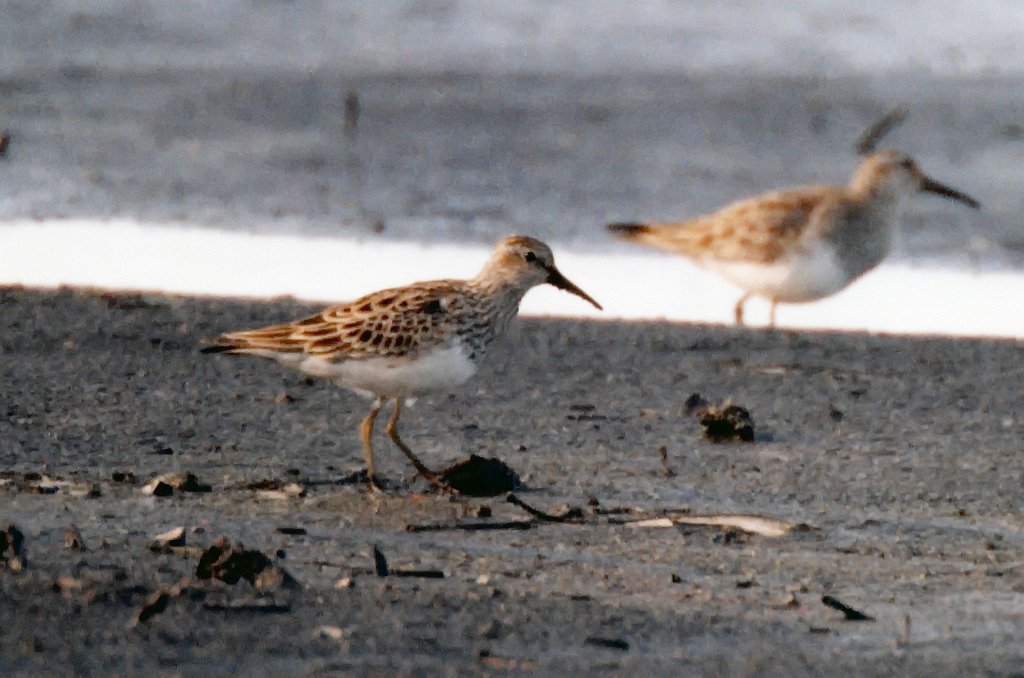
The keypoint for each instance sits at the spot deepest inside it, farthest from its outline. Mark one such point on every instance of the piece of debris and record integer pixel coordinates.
(650, 522)
(421, 574)
(344, 583)
(173, 542)
(850, 613)
(764, 526)
(158, 602)
(380, 563)
(273, 488)
(284, 397)
(382, 569)
(480, 477)
(331, 632)
(767, 527)
(722, 422)
(123, 477)
(790, 602)
(249, 608)
(91, 490)
(585, 412)
(293, 490)
(499, 663)
(610, 643)
(154, 605)
(663, 453)
(73, 539)
(12, 549)
(354, 478)
(594, 507)
(5, 143)
(67, 584)
(172, 537)
(473, 526)
(43, 484)
(572, 514)
(166, 484)
(293, 531)
(229, 564)
(266, 484)
(729, 536)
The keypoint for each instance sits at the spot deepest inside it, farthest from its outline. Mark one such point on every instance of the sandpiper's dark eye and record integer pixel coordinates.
(531, 257)
(907, 164)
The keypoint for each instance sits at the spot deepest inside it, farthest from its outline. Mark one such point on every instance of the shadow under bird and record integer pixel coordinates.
(407, 341)
(802, 244)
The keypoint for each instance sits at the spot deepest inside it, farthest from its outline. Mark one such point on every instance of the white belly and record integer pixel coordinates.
(436, 370)
(806, 276)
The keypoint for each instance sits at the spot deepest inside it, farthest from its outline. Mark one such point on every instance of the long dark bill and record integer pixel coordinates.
(935, 187)
(556, 278)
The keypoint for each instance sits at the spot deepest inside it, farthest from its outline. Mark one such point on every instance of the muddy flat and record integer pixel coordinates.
(892, 464)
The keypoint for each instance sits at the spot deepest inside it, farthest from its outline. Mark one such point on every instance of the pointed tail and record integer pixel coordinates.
(629, 231)
(218, 348)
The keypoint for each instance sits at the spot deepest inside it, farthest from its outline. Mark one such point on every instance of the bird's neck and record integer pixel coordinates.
(875, 193)
(501, 295)
(870, 235)
(499, 290)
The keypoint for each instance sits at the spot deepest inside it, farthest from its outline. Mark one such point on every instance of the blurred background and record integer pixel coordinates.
(327, 148)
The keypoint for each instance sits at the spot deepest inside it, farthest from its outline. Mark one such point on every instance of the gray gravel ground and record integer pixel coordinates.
(903, 453)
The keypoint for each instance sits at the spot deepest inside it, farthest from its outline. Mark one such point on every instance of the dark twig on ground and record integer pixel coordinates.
(382, 569)
(571, 515)
(610, 643)
(663, 453)
(474, 526)
(850, 613)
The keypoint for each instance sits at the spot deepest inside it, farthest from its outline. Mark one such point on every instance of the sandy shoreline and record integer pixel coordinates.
(904, 453)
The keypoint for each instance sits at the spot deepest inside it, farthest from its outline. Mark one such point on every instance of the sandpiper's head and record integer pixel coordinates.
(528, 262)
(892, 174)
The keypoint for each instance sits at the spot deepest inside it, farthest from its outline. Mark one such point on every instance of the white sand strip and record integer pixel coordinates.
(631, 284)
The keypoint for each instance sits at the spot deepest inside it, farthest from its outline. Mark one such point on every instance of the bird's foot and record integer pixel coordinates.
(374, 484)
(436, 480)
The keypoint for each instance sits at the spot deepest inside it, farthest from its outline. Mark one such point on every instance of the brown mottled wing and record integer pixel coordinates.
(393, 322)
(759, 229)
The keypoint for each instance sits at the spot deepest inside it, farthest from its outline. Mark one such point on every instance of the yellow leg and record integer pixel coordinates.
(393, 434)
(738, 311)
(366, 433)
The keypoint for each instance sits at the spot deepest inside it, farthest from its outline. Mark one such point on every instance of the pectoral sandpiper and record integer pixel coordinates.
(407, 341)
(802, 244)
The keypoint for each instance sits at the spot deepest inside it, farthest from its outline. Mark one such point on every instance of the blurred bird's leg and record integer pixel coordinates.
(393, 434)
(738, 311)
(366, 433)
